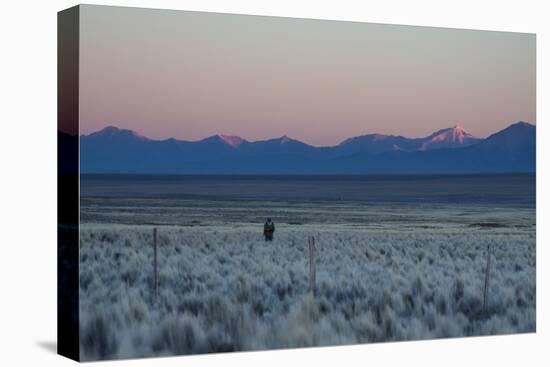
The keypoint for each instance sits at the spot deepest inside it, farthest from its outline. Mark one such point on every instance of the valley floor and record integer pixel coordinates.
(384, 273)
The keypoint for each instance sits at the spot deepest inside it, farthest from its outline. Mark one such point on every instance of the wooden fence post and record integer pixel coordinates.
(155, 281)
(487, 280)
(312, 270)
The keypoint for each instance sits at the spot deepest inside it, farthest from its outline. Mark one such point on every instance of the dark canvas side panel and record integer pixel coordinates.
(68, 182)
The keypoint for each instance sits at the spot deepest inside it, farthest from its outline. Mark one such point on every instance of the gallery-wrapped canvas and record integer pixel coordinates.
(236, 183)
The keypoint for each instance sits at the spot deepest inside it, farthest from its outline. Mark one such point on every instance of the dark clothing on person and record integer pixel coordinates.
(269, 229)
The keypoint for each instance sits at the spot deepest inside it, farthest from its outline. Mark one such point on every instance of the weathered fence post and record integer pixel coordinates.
(155, 283)
(487, 280)
(312, 270)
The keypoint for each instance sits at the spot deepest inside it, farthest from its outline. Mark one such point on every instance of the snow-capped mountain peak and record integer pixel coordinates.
(449, 137)
(115, 132)
(284, 139)
(232, 140)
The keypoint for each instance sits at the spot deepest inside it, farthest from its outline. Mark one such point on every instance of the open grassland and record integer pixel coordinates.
(404, 276)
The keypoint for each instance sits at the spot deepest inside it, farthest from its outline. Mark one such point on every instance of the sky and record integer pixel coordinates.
(190, 75)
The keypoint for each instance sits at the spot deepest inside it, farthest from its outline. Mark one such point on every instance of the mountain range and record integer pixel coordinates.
(450, 150)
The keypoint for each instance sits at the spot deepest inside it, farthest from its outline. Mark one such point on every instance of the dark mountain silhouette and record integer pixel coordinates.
(377, 143)
(451, 150)
(509, 150)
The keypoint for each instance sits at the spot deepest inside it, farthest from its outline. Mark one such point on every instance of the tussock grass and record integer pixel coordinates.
(225, 289)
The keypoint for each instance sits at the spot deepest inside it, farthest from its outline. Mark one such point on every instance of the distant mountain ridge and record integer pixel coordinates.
(450, 150)
(377, 143)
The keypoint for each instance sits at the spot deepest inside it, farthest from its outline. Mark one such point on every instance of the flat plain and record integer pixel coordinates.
(385, 272)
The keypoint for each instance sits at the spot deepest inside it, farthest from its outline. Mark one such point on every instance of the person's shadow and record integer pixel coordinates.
(50, 346)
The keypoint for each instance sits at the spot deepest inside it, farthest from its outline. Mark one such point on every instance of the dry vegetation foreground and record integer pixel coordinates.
(222, 288)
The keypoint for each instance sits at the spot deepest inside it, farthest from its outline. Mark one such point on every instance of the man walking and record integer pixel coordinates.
(269, 229)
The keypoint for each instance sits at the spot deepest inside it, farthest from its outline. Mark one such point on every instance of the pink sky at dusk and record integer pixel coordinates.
(190, 75)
